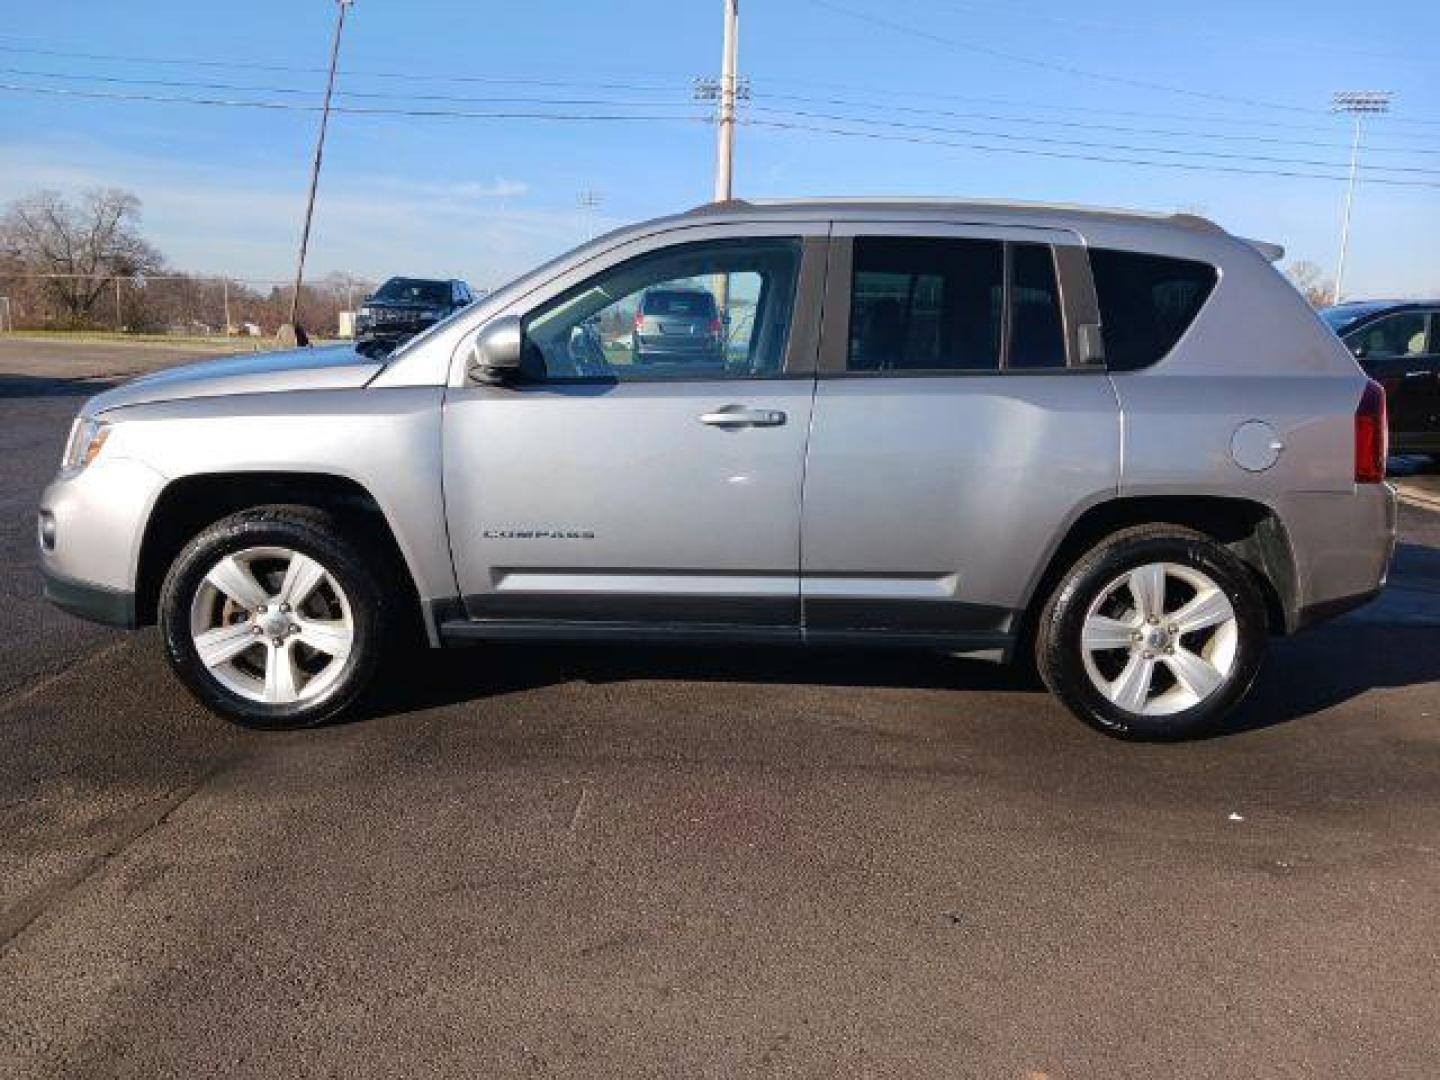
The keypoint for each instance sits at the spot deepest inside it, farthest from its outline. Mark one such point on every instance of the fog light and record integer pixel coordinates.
(47, 530)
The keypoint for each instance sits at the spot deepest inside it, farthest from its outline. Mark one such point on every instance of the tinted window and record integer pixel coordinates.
(926, 305)
(1146, 303)
(409, 290)
(1037, 334)
(1344, 316)
(1402, 334)
(696, 311)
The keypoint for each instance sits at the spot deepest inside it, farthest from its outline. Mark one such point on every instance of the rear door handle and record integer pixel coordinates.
(734, 417)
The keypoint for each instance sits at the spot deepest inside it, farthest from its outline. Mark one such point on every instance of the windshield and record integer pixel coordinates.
(414, 291)
(1345, 316)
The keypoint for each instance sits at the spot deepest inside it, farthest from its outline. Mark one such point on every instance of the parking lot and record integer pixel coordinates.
(614, 861)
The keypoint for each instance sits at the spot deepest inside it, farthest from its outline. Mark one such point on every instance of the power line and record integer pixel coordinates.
(409, 76)
(1084, 126)
(180, 84)
(354, 110)
(683, 85)
(1125, 147)
(955, 114)
(1049, 65)
(888, 96)
(776, 124)
(1059, 154)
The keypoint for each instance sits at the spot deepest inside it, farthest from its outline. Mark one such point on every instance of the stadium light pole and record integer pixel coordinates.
(1358, 103)
(315, 167)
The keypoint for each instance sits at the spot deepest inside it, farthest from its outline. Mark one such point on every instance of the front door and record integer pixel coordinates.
(1399, 352)
(634, 479)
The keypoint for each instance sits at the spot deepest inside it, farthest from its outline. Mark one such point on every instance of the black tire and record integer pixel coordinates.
(312, 532)
(1060, 659)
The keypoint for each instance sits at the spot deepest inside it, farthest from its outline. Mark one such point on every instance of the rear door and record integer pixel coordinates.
(959, 427)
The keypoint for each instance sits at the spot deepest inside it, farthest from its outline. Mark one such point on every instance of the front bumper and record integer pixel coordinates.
(92, 527)
(113, 607)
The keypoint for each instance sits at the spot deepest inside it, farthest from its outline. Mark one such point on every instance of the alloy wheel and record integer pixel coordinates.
(272, 625)
(1159, 639)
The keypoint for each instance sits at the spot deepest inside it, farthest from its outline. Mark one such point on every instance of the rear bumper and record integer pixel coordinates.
(113, 607)
(1342, 543)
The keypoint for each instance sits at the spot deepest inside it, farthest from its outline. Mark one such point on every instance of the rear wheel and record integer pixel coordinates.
(1156, 633)
(272, 619)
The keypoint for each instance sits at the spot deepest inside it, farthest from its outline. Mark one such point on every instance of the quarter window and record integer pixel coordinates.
(696, 311)
(1146, 303)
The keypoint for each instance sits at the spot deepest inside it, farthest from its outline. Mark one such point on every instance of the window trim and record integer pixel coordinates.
(1072, 277)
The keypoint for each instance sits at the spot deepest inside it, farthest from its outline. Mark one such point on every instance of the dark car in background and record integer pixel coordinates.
(404, 306)
(678, 325)
(1397, 342)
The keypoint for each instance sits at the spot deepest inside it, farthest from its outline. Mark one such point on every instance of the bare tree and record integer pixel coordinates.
(1310, 280)
(96, 241)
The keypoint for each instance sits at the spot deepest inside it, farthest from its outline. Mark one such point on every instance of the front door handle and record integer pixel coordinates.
(737, 417)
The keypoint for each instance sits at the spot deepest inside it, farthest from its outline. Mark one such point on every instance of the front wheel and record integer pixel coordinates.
(1156, 633)
(272, 619)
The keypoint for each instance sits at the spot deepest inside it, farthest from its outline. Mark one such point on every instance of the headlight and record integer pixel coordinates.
(367, 313)
(87, 436)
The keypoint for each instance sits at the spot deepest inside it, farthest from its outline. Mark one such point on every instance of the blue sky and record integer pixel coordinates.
(223, 187)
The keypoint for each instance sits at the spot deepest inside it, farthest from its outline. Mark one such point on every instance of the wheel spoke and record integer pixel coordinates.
(301, 577)
(224, 643)
(1101, 632)
(329, 636)
(280, 682)
(1207, 609)
(1147, 586)
(1131, 690)
(1194, 672)
(235, 580)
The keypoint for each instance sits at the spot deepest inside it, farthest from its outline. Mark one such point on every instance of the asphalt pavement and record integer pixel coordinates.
(593, 862)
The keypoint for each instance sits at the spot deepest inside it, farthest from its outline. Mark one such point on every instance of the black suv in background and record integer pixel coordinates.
(1398, 344)
(403, 306)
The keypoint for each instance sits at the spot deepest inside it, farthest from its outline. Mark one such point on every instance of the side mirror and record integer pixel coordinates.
(495, 355)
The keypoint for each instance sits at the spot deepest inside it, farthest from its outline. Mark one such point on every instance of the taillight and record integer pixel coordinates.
(715, 328)
(639, 321)
(1372, 435)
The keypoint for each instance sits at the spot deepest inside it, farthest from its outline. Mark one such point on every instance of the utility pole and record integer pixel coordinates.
(226, 287)
(315, 168)
(589, 202)
(119, 324)
(725, 147)
(1358, 103)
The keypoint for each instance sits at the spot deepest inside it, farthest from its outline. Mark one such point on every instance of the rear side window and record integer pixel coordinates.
(930, 304)
(1146, 303)
(1037, 331)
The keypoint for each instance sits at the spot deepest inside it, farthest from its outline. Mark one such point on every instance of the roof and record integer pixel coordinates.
(853, 205)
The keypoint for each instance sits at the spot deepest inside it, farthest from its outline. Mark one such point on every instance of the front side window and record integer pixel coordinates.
(1402, 334)
(696, 311)
(1146, 303)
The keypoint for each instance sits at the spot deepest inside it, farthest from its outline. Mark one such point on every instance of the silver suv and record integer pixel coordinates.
(1118, 443)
